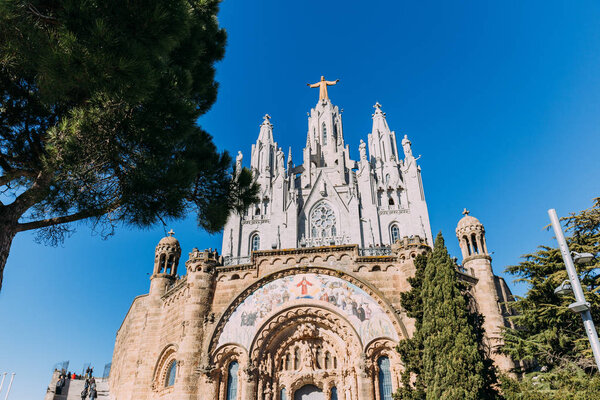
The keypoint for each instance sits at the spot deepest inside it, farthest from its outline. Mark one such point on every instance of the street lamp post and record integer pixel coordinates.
(580, 306)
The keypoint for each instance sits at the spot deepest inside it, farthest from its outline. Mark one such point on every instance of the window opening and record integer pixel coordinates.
(385, 378)
(255, 242)
(170, 381)
(232, 381)
(395, 233)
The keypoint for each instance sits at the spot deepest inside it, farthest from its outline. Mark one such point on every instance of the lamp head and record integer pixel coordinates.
(564, 289)
(582, 258)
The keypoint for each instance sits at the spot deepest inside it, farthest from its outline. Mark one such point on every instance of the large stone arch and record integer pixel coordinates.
(373, 293)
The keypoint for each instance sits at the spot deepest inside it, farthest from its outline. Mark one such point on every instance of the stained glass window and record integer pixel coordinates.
(334, 393)
(323, 221)
(385, 378)
(395, 233)
(255, 242)
(170, 381)
(232, 381)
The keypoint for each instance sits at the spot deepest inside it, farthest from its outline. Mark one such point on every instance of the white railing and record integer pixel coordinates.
(230, 260)
(324, 241)
(375, 251)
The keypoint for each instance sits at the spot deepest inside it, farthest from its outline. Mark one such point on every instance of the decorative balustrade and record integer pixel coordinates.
(230, 260)
(324, 241)
(375, 251)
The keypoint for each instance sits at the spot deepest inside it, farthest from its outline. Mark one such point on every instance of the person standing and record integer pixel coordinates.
(84, 393)
(93, 392)
(59, 385)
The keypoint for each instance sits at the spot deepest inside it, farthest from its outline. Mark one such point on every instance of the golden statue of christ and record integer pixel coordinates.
(322, 85)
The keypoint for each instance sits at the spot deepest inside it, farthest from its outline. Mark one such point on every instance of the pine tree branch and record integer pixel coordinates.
(26, 226)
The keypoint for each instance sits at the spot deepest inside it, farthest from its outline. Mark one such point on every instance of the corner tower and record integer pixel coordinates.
(166, 260)
(488, 291)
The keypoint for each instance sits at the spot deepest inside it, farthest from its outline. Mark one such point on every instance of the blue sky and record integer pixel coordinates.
(501, 100)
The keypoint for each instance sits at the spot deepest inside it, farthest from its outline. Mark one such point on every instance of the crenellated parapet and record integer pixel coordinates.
(204, 261)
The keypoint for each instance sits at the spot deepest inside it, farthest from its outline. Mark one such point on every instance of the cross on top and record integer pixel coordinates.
(377, 105)
(170, 233)
(267, 117)
(466, 212)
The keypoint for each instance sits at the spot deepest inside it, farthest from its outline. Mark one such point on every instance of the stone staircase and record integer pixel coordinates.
(73, 389)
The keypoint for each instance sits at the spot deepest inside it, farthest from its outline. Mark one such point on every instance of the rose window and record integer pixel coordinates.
(322, 221)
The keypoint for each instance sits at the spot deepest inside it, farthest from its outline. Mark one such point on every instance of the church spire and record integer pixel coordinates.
(266, 130)
(382, 141)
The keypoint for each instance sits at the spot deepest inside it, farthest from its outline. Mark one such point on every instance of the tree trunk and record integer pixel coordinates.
(7, 233)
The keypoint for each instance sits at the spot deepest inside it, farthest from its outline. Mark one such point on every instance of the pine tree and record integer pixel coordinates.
(452, 364)
(99, 102)
(548, 334)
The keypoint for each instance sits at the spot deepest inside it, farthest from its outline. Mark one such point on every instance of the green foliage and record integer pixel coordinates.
(411, 349)
(98, 107)
(565, 383)
(445, 357)
(548, 334)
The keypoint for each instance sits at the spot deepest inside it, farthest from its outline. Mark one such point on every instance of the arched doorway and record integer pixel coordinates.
(309, 392)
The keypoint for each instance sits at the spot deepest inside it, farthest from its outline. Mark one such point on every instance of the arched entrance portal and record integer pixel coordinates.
(309, 392)
(307, 336)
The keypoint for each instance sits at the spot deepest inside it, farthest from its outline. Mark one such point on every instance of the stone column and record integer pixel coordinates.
(249, 389)
(365, 381)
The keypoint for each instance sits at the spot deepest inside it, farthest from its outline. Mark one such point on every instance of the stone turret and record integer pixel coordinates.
(476, 260)
(196, 316)
(166, 261)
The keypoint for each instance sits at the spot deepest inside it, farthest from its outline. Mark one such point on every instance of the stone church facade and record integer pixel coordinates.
(304, 301)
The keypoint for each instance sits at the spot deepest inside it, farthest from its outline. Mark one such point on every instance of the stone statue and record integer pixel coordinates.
(362, 148)
(406, 147)
(322, 85)
(238, 162)
(280, 158)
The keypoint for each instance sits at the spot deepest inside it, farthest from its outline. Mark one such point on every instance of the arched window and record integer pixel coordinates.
(385, 378)
(282, 395)
(394, 233)
(334, 393)
(232, 381)
(322, 221)
(171, 372)
(255, 242)
(170, 263)
(288, 362)
(467, 244)
(297, 358)
(335, 133)
(474, 244)
(257, 211)
(161, 263)
(387, 179)
(390, 201)
(324, 130)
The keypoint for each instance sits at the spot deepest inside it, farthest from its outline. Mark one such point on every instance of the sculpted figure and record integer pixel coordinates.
(322, 85)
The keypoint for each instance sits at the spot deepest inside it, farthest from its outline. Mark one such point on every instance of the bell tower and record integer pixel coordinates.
(478, 263)
(166, 260)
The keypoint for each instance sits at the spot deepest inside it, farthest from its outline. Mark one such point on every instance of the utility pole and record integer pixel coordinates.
(9, 385)
(2, 383)
(580, 306)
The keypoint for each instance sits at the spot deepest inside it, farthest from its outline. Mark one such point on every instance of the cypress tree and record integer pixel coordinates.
(411, 349)
(453, 366)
